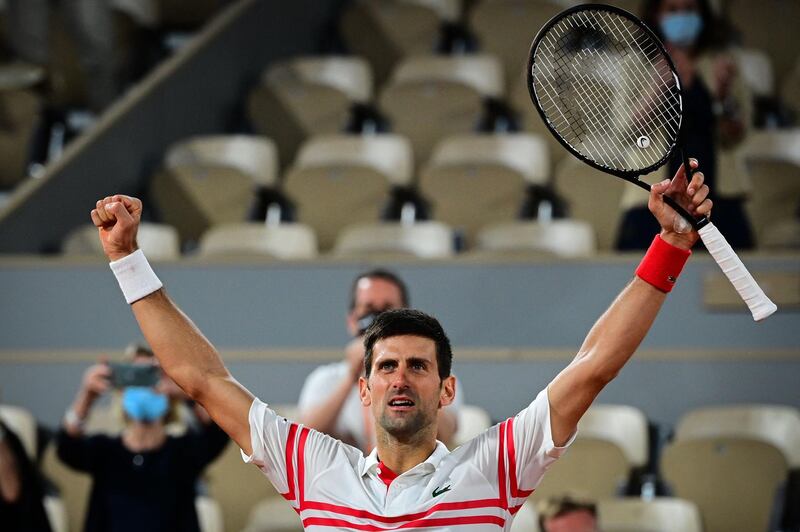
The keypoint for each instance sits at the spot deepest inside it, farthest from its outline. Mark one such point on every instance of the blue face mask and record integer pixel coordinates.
(682, 28)
(144, 404)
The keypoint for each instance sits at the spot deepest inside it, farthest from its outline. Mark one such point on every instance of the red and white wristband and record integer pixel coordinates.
(135, 276)
(662, 264)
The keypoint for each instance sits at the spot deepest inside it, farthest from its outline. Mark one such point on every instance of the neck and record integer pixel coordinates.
(400, 455)
(139, 436)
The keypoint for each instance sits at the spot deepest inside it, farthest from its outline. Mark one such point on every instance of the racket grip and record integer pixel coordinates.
(757, 301)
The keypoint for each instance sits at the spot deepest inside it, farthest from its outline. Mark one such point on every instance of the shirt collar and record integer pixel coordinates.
(428, 466)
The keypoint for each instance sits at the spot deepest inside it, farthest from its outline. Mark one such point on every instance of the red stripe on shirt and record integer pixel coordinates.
(301, 453)
(512, 463)
(501, 466)
(422, 523)
(289, 496)
(363, 514)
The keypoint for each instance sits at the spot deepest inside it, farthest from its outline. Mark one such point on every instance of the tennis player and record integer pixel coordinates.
(410, 480)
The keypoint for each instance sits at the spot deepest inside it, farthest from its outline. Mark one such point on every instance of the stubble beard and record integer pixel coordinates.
(405, 428)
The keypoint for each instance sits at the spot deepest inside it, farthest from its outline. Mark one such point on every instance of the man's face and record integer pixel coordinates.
(404, 391)
(373, 295)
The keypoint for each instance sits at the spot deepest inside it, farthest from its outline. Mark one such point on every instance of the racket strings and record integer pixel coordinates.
(606, 88)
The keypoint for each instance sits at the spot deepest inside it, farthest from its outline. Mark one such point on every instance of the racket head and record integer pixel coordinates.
(607, 89)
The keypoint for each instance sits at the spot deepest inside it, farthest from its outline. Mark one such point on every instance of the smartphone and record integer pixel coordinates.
(125, 374)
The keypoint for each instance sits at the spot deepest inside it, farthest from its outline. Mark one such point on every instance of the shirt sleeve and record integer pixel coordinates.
(316, 389)
(82, 453)
(204, 446)
(529, 446)
(290, 454)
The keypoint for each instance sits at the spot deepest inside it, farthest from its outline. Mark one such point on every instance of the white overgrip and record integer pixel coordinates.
(757, 301)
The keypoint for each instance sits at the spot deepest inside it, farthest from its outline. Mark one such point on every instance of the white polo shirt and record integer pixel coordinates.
(354, 421)
(479, 486)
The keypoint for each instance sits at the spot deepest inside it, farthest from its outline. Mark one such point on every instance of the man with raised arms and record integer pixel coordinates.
(410, 480)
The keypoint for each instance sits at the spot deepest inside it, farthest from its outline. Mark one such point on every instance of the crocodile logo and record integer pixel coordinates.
(437, 491)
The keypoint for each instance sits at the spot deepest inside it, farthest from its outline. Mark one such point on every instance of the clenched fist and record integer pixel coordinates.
(117, 220)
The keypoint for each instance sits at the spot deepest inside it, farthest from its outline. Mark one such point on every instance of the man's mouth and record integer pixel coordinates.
(401, 403)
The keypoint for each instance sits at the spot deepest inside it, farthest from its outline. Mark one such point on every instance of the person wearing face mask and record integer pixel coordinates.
(329, 400)
(143, 478)
(718, 114)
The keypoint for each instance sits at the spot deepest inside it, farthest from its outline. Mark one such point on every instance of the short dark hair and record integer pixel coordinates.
(563, 504)
(385, 275)
(399, 322)
(134, 350)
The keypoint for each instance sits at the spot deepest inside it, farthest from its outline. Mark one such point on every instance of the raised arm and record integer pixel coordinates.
(185, 354)
(616, 335)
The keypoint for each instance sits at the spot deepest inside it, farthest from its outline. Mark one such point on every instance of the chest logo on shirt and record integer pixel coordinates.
(437, 491)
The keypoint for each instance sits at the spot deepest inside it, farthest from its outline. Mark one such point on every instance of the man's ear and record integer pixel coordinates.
(448, 391)
(364, 392)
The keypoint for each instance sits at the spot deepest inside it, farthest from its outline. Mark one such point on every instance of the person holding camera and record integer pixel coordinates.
(144, 478)
(329, 400)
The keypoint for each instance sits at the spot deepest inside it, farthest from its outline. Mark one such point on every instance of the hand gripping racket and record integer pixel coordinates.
(609, 92)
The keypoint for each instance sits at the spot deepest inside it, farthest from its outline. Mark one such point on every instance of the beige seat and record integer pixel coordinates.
(237, 487)
(790, 89)
(473, 180)
(209, 180)
(472, 420)
(592, 196)
(73, 487)
(559, 238)
(22, 422)
(730, 461)
(733, 481)
(158, 241)
(307, 96)
(424, 240)
(339, 180)
(273, 515)
(506, 28)
(429, 98)
(755, 68)
(776, 424)
(280, 241)
(386, 31)
(663, 514)
(209, 514)
(531, 121)
(758, 21)
(772, 159)
(526, 519)
(56, 513)
(612, 440)
(20, 116)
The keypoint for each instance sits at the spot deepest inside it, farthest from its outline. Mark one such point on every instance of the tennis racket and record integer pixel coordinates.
(608, 91)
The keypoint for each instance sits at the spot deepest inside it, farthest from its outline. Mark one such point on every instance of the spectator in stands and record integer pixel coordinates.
(329, 401)
(717, 115)
(21, 492)
(567, 513)
(90, 23)
(144, 478)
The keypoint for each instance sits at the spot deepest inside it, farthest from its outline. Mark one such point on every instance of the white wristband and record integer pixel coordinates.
(135, 276)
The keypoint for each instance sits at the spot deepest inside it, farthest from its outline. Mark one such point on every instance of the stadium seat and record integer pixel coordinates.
(432, 97)
(731, 461)
(532, 122)
(386, 31)
(472, 420)
(158, 241)
(73, 486)
(273, 515)
(554, 238)
(57, 513)
(307, 96)
(209, 514)
(424, 240)
(773, 162)
(612, 441)
(755, 68)
(526, 520)
(20, 115)
(757, 22)
(790, 89)
(339, 180)
(476, 179)
(592, 196)
(208, 180)
(662, 514)
(280, 241)
(23, 424)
